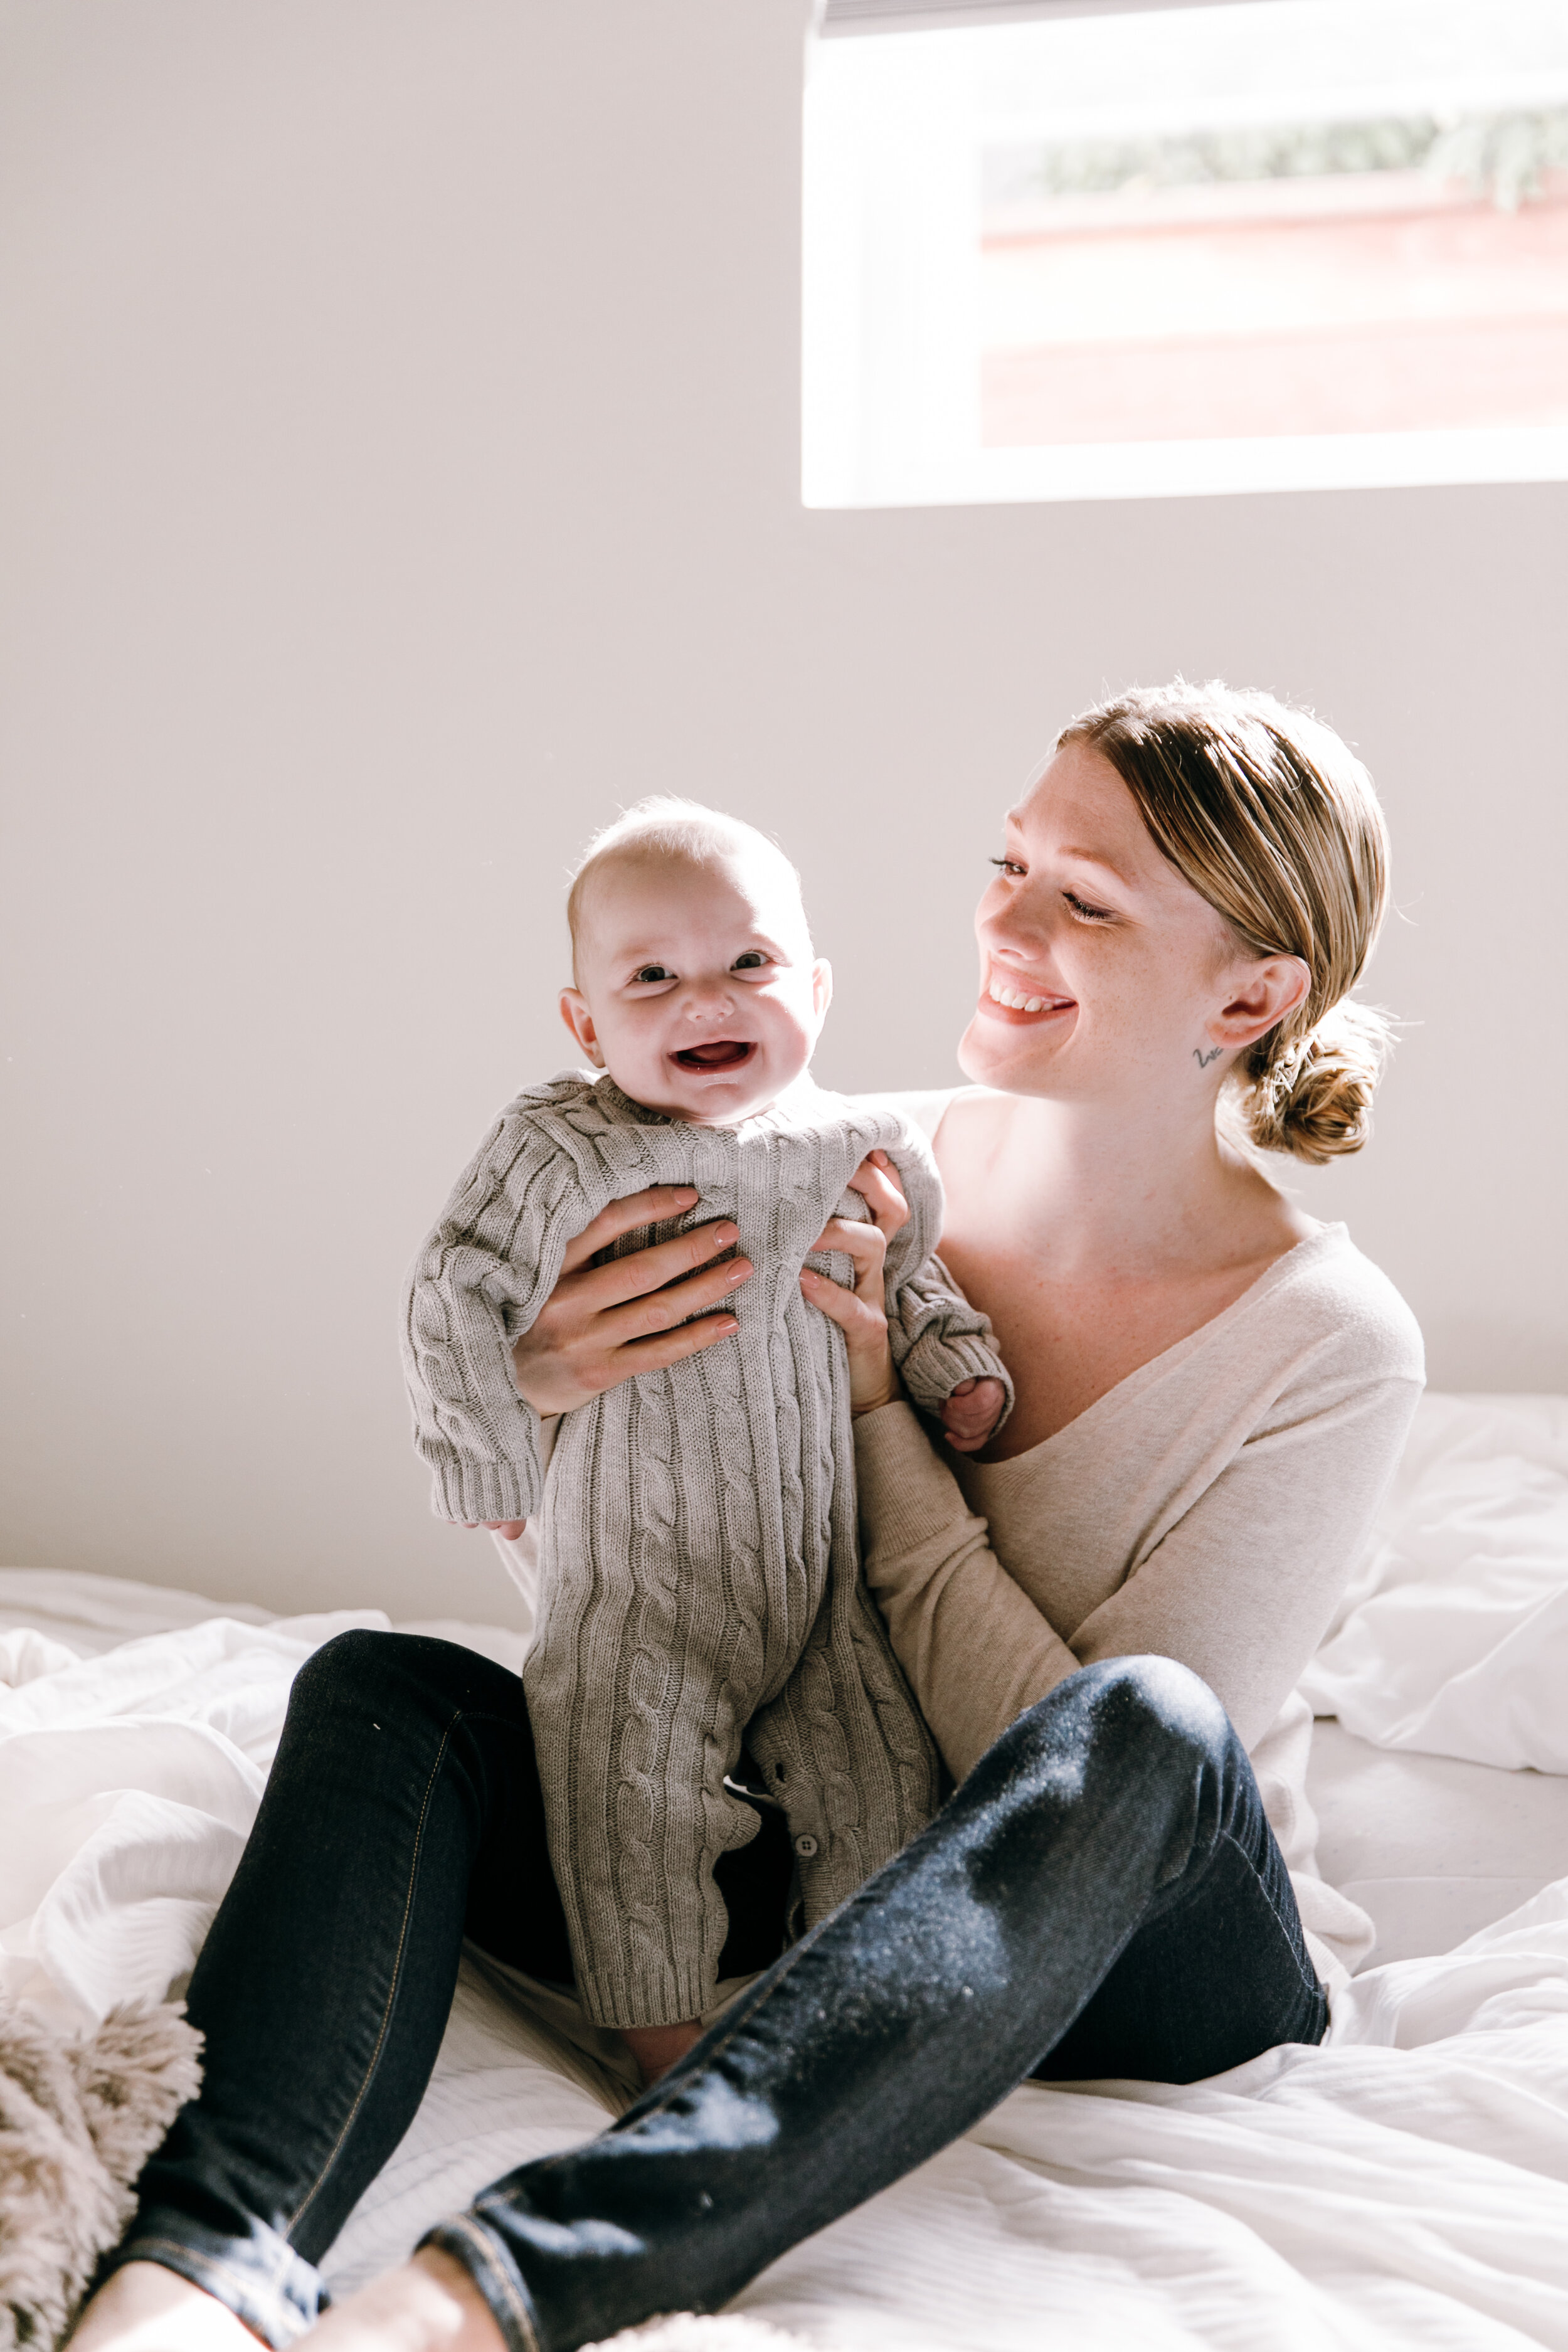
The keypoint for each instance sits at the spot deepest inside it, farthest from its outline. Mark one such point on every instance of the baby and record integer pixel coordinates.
(700, 1562)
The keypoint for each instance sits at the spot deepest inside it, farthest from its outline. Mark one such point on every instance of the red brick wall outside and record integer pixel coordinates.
(1304, 307)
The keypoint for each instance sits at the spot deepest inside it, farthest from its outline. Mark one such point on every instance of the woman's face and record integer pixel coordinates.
(1102, 972)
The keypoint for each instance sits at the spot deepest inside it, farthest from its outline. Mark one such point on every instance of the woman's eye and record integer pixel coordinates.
(1008, 865)
(753, 961)
(649, 973)
(1084, 911)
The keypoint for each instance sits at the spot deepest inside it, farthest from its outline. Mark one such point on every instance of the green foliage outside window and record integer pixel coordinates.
(1507, 154)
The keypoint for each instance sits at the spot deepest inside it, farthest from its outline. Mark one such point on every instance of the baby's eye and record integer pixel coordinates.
(753, 961)
(649, 973)
(1008, 865)
(1084, 911)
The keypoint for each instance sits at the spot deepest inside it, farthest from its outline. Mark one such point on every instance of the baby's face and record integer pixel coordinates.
(698, 990)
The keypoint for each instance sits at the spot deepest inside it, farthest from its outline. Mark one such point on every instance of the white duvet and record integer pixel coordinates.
(1406, 2185)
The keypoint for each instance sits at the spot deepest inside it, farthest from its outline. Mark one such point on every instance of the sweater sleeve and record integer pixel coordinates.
(477, 1283)
(976, 1650)
(1241, 1588)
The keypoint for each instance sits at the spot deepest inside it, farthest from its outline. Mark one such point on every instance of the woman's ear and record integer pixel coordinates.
(1258, 996)
(821, 986)
(580, 1021)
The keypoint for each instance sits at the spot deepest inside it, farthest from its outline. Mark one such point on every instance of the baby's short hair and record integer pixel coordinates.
(664, 826)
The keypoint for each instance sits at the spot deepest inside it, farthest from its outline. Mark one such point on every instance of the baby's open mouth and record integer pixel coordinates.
(718, 1054)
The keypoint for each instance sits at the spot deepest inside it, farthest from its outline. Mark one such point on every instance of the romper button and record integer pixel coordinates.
(805, 1845)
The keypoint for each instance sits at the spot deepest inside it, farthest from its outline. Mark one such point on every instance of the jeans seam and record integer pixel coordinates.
(319, 2183)
(477, 2239)
(1310, 1984)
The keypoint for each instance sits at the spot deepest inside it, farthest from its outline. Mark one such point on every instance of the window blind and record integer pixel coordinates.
(842, 16)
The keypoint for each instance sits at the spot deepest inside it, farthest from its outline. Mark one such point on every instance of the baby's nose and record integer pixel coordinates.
(714, 990)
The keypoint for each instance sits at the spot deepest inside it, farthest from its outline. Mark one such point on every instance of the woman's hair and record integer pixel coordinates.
(1273, 821)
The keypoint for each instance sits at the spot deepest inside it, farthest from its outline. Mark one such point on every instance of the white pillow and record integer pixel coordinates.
(1453, 1637)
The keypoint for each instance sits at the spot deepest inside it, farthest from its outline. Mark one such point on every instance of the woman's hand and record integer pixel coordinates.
(861, 1313)
(603, 1323)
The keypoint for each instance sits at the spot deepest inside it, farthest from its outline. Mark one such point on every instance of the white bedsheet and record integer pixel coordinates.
(1404, 2186)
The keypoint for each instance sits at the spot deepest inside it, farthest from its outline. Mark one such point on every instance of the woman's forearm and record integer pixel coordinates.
(976, 1648)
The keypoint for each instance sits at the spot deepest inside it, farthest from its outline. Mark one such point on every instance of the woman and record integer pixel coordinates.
(1213, 1392)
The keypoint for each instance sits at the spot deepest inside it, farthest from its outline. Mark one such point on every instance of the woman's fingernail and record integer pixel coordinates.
(735, 1275)
(728, 1323)
(726, 1233)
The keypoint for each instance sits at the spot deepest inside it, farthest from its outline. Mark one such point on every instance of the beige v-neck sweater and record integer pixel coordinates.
(1210, 1509)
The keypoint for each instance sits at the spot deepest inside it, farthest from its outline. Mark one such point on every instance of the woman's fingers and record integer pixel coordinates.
(872, 1380)
(860, 1313)
(659, 1203)
(650, 1313)
(597, 1288)
(864, 1245)
(877, 1182)
(583, 1342)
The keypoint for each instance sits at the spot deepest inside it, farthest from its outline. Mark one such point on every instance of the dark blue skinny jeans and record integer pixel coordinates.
(1102, 1898)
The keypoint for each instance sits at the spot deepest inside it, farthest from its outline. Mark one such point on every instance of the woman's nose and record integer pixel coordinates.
(1011, 929)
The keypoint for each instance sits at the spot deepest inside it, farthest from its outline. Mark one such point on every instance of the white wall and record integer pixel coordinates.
(402, 451)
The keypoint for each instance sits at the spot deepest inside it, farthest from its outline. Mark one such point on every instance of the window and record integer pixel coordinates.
(1101, 252)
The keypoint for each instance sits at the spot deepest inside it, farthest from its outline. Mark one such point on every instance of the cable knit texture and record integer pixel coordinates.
(698, 1524)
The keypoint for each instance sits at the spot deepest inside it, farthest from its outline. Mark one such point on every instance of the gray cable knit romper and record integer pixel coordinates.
(698, 1544)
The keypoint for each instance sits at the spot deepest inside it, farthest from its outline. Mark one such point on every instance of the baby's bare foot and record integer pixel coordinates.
(145, 2308)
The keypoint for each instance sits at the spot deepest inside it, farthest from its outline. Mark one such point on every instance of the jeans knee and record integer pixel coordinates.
(348, 1667)
(1155, 1703)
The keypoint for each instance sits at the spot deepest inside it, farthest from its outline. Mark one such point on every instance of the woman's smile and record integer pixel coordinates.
(1002, 1000)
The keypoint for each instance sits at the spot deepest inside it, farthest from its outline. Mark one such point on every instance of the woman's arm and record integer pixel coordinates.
(976, 1650)
(1241, 1589)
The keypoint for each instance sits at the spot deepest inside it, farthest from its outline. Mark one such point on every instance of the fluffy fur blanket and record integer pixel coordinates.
(78, 2118)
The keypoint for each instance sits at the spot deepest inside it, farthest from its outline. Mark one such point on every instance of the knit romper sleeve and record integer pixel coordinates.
(540, 1175)
(937, 1340)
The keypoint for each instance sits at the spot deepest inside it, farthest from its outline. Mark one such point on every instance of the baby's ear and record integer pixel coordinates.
(822, 986)
(575, 1013)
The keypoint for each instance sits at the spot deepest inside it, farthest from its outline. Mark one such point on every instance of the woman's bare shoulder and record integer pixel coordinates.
(973, 1127)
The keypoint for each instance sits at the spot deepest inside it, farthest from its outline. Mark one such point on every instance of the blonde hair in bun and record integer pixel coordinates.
(1274, 821)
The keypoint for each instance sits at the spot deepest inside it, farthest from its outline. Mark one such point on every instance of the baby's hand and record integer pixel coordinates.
(971, 1413)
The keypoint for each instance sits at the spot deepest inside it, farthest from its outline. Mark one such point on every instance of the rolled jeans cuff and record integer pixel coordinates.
(483, 2254)
(260, 2277)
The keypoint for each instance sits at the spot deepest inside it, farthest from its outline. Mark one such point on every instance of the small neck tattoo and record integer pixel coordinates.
(1203, 1059)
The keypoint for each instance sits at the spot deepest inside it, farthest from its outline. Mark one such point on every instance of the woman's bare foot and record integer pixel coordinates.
(431, 2305)
(145, 2308)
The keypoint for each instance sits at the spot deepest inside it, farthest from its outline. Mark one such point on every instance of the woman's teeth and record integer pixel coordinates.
(1015, 1001)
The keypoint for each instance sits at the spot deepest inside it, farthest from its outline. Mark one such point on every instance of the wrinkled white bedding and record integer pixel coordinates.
(1406, 2185)
(129, 1775)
